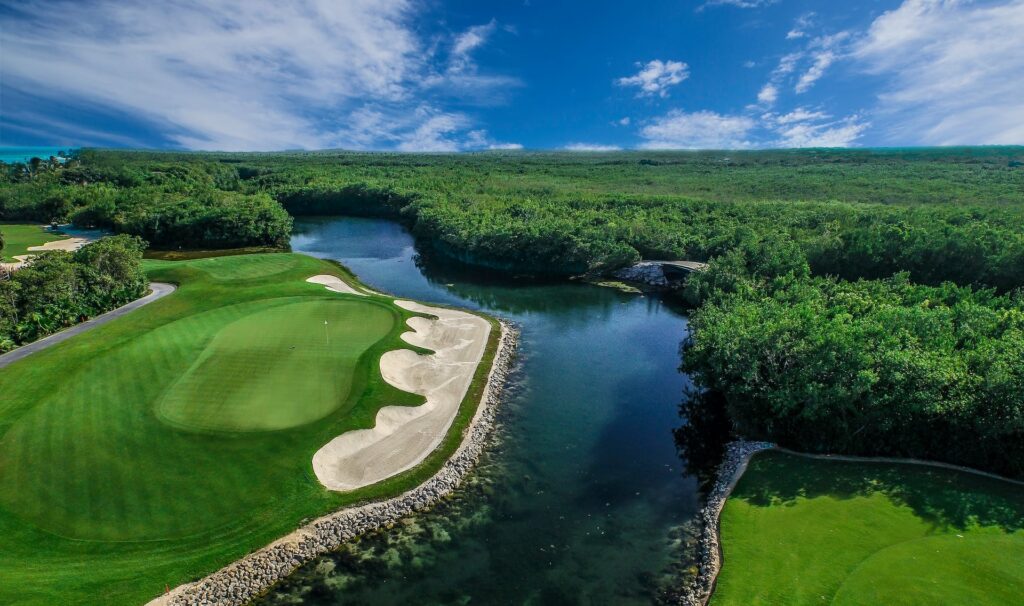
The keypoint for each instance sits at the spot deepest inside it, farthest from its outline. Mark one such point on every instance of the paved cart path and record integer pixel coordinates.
(159, 290)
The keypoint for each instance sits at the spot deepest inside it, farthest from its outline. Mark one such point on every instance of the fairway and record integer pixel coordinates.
(805, 531)
(157, 448)
(19, 237)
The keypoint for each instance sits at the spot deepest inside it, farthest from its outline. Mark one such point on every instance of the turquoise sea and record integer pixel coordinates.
(24, 154)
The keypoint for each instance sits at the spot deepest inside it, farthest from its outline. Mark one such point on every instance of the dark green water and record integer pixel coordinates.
(581, 498)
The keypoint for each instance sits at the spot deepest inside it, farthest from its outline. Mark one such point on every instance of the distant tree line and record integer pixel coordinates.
(168, 205)
(58, 289)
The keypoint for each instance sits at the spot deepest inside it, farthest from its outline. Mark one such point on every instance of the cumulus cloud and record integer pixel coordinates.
(955, 71)
(655, 77)
(243, 74)
(697, 130)
(591, 147)
(768, 94)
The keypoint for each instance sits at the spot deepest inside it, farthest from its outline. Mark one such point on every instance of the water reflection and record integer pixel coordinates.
(702, 437)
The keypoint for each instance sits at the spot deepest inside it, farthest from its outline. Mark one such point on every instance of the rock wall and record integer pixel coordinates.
(247, 578)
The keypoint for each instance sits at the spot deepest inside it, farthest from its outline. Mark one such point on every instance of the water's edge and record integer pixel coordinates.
(254, 574)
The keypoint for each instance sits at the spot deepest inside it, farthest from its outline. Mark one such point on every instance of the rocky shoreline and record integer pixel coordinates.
(709, 551)
(247, 578)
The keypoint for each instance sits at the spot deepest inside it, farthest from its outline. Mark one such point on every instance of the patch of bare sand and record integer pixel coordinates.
(404, 435)
(335, 284)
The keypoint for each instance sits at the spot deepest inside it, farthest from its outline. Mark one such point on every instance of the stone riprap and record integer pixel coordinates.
(240, 582)
(709, 551)
(645, 272)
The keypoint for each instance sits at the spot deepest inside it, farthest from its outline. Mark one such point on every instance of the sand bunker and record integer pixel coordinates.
(404, 435)
(68, 244)
(336, 284)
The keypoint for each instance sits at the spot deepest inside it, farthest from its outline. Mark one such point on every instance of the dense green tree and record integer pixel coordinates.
(870, 367)
(58, 289)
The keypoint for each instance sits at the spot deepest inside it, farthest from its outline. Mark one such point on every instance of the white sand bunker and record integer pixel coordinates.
(334, 283)
(68, 244)
(404, 435)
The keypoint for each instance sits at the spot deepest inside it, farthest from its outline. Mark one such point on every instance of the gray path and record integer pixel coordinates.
(159, 290)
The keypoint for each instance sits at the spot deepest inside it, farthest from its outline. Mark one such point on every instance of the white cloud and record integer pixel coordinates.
(737, 3)
(787, 64)
(624, 121)
(955, 71)
(800, 27)
(806, 128)
(801, 127)
(244, 74)
(591, 147)
(842, 134)
(435, 134)
(472, 39)
(460, 60)
(800, 114)
(697, 130)
(505, 146)
(768, 94)
(655, 77)
(824, 51)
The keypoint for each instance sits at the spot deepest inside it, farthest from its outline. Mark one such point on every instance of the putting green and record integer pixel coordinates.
(168, 443)
(287, 365)
(19, 237)
(805, 531)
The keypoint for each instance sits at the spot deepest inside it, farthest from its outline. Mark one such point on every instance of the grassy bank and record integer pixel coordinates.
(145, 466)
(804, 531)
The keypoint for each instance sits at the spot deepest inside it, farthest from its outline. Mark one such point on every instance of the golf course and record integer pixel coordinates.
(157, 448)
(798, 530)
(17, 238)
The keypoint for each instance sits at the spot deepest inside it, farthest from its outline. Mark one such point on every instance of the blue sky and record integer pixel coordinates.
(434, 75)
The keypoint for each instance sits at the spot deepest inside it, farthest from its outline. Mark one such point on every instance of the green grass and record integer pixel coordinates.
(18, 237)
(160, 447)
(805, 531)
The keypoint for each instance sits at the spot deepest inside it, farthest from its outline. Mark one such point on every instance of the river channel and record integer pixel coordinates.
(582, 498)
